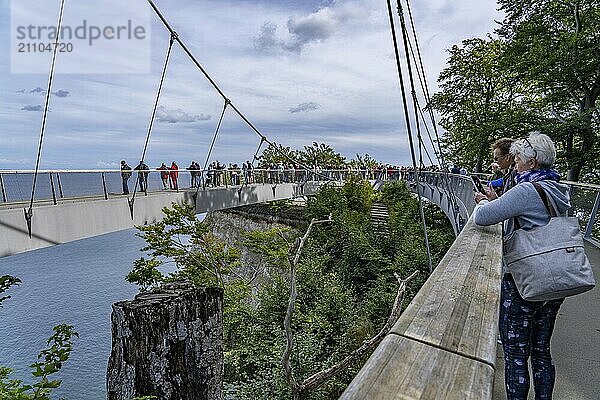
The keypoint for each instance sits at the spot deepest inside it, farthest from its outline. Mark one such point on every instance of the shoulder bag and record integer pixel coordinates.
(549, 262)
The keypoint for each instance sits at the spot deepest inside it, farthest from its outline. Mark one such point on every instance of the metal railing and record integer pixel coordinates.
(56, 185)
(585, 199)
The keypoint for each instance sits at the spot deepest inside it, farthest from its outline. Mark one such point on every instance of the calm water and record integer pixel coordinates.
(74, 283)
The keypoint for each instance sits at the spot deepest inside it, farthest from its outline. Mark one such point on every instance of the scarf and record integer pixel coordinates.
(535, 175)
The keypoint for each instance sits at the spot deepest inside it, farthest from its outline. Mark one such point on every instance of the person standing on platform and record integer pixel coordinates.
(125, 175)
(193, 174)
(506, 163)
(174, 174)
(526, 326)
(142, 169)
(164, 174)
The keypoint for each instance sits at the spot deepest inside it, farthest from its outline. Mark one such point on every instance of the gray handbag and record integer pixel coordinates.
(549, 262)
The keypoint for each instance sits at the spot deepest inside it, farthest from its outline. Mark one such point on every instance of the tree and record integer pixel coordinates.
(321, 154)
(480, 101)
(180, 238)
(554, 45)
(345, 288)
(276, 154)
(6, 282)
(60, 347)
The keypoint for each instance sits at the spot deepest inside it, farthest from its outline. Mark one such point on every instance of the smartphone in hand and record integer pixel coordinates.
(478, 185)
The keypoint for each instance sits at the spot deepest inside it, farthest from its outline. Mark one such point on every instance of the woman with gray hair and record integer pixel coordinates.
(526, 326)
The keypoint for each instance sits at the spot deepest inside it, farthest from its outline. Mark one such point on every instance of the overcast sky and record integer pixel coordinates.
(301, 71)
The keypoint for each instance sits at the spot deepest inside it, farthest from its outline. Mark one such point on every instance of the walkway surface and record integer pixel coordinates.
(575, 345)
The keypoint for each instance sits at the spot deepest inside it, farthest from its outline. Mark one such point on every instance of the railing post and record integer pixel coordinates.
(60, 190)
(590, 225)
(4, 198)
(104, 186)
(53, 191)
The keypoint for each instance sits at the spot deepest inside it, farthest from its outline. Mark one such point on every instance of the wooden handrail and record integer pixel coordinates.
(444, 344)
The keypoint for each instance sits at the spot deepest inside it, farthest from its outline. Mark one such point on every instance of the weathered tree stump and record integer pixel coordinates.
(168, 343)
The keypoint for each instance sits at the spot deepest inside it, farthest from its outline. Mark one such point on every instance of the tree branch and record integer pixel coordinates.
(368, 346)
(287, 323)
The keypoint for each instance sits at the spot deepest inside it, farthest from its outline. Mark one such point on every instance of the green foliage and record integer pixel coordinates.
(480, 101)
(344, 278)
(321, 154)
(317, 154)
(180, 239)
(6, 282)
(365, 161)
(345, 288)
(279, 205)
(554, 45)
(50, 362)
(276, 154)
(542, 73)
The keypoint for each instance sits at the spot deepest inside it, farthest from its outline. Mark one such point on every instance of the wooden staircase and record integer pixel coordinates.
(379, 218)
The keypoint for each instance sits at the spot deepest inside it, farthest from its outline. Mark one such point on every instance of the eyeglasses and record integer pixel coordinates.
(498, 157)
(532, 148)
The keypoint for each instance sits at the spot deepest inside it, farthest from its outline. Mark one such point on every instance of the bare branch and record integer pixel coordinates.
(287, 323)
(368, 346)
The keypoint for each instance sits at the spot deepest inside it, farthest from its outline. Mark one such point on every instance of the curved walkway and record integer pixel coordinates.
(575, 345)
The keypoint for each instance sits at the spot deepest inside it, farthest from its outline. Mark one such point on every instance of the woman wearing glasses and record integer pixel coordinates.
(526, 326)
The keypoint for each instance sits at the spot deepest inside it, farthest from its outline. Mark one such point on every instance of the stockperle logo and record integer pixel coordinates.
(95, 36)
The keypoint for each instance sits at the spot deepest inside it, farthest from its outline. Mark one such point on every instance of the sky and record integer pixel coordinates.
(300, 71)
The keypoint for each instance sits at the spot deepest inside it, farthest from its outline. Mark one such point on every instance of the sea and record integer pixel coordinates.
(74, 283)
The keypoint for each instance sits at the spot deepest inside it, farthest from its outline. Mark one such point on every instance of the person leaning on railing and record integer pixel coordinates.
(526, 326)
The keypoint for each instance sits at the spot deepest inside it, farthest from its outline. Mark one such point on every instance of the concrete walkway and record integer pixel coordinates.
(575, 345)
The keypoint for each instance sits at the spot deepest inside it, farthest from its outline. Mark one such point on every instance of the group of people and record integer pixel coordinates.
(221, 174)
(525, 326)
(168, 175)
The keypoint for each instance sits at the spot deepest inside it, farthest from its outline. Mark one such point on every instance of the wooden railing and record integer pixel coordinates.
(444, 344)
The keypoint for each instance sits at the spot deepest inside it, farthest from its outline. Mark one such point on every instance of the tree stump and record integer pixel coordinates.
(168, 343)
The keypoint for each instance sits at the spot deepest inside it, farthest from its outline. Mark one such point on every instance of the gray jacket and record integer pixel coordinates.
(523, 202)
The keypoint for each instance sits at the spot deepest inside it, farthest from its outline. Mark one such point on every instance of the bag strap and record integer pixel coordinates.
(549, 207)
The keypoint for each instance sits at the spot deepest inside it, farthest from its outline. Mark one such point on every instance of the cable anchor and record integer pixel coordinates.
(28, 216)
(130, 202)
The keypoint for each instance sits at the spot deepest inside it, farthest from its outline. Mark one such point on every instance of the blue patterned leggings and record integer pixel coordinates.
(525, 329)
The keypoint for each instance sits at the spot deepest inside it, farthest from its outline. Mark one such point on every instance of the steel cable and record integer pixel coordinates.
(29, 212)
(151, 124)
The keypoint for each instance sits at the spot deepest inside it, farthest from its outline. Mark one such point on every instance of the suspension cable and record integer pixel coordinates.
(425, 88)
(225, 104)
(221, 93)
(29, 212)
(408, 126)
(151, 123)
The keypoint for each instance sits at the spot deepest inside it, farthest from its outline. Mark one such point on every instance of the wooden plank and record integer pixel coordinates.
(432, 301)
(405, 369)
(459, 303)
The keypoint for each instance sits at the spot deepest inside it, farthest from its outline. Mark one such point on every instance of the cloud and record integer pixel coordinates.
(305, 107)
(303, 30)
(37, 108)
(108, 164)
(178, 116)
(61, 93)
(14, 161)
(311, 28)
(266, 41)
(39, 90)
